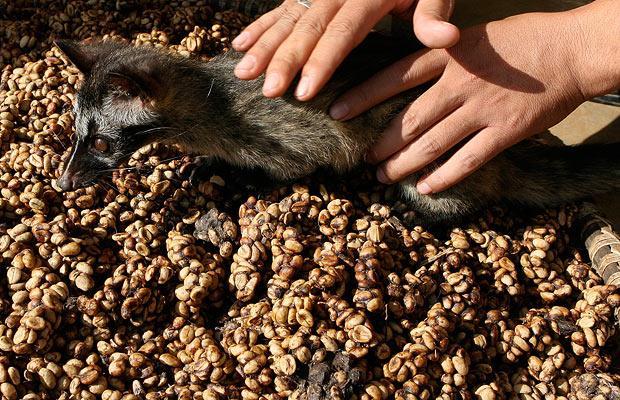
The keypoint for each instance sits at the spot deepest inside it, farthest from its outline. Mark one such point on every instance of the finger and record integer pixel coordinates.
(473, 155)
(405, 74)
(252, 32)
(256, 59)
(294, 52)
(348, 28)
(430, 23)
(432, 106)
(429, 146)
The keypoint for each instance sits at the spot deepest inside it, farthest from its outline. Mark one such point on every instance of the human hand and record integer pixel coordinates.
(502, 82)
(316, 40)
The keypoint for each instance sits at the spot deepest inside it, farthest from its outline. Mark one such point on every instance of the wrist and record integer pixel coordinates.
(594, 55)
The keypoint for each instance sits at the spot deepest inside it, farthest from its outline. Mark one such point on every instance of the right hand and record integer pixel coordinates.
(503, 82)
(316, 40)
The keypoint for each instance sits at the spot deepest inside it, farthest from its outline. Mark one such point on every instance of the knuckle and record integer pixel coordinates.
(515, 122)
(398, 74)
(363, 96)
(344, 27)
(256, 26)
(311, 27)
(471, 162)
(470, 80)
(263, 46)
(429, 147)
(410, 124)
(289, 17)
(261, 24)
(404, 75)
(285, 60)
(359, 95)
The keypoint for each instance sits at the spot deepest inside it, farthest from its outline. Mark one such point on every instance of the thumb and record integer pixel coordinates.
(430, 23)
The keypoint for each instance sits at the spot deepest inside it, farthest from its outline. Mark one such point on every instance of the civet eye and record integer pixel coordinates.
(101, 145)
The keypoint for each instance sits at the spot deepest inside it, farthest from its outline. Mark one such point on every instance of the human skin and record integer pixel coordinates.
(503, 82)
(293, 39)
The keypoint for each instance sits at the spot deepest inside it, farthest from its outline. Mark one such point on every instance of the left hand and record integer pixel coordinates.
(316, 40)
(503, 81)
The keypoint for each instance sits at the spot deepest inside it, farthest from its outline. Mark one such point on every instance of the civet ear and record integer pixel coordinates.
(126, 85)
(81, 55)
(138, 80)
(85, 56)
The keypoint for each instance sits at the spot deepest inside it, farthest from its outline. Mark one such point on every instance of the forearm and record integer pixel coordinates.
(596, 53)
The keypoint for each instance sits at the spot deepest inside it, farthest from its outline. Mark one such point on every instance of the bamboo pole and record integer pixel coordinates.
(602, 244)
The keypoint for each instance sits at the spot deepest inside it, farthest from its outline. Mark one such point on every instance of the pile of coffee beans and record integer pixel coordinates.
(146, 286)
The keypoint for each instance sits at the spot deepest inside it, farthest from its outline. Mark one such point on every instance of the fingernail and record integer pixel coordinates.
(272, 81)
(339, 110)
(381, 176)
(302, 87)
(241, 39)
(424, 188)
(247, 63)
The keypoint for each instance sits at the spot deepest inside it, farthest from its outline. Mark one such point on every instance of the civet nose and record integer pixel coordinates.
(66, 182)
